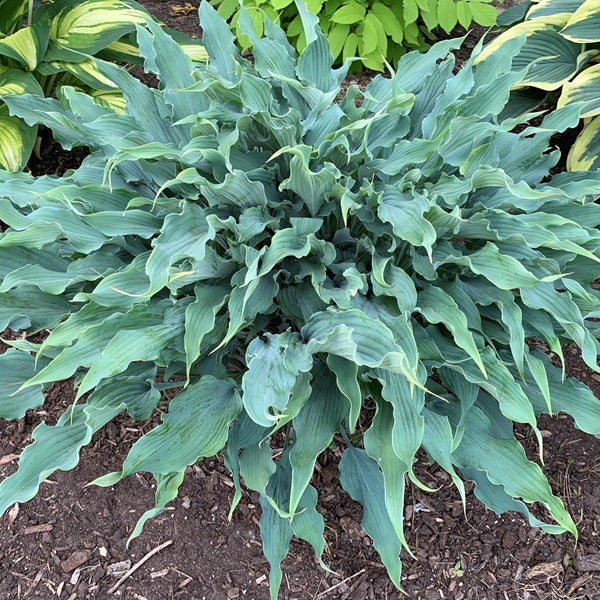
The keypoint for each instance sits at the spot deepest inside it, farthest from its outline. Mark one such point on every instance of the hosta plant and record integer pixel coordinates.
(46, 45)
(562, 55)
(362, 274)
(373, 30)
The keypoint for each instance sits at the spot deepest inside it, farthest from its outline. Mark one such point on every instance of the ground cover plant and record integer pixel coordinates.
(562, 54)
(44, 46)
(373, 30)
(287, 264)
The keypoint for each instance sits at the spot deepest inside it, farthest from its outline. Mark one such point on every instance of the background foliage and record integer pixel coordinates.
(44, 46)
(562, 55)
(374, 30)
(288, 263)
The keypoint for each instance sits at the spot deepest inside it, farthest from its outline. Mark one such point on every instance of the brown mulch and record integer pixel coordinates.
(70, 541)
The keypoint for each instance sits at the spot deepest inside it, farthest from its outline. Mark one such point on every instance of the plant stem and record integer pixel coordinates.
(30, 14)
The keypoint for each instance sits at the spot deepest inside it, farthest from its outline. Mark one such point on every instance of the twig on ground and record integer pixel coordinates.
(137, 565)
(333, 587)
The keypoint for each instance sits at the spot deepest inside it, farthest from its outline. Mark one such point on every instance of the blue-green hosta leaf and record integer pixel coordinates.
(439, 441)
(295, 241)
(346, 375)
(407, 423)
(405, 213)
(276, 531)
(313, 187)
(92, 340)
(502, 270)
(15, 368)
(200, 416)
(247, 301)
(218, 41)
(272, 55)
(567, 395)
(351, 334)
(274, 366)
(58, 447)
(243, 433)
(143, 344)
(561, 307)
(377, 444)
(200, 318)
(499, 383)
(483, 293)
(438, 307)
(183, 235)
(361, 478)
(495, 498)
(466, 393)
(29, 308)
(504, 462)
(167, 486)
(314, 63)
(314, 428)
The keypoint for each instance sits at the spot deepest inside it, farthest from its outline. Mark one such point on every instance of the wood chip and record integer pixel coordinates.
(12, 514)
(76, 559)
(549, 570)
(589, 562)
(160, 573)
(38, 528)
(8, 458)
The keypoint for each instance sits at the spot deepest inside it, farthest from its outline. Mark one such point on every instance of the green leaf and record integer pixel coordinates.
(349, 13)
(463, 13)
(483, 14)
(448, 15)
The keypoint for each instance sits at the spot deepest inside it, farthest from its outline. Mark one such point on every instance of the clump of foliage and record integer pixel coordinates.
(562, 56)
(289, 263)
(373, 30)
(46, 45)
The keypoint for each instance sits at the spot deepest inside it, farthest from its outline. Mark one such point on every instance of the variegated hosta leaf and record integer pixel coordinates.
(585, 151)
(585, 87)
(18, 138)
(584, 24)
(89, 26)
(28, 45)
(550, 58)
(290, 262)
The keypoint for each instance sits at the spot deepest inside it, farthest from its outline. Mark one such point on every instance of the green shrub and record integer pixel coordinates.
(284, 260)
(374, 30)
(54, 48)
(562, 56)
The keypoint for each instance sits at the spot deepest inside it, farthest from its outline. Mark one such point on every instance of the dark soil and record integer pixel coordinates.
(67, 542)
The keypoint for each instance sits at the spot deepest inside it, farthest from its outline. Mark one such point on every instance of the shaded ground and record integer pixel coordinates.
(69, 541)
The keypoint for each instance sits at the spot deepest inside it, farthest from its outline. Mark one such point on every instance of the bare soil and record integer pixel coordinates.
(70, 541)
